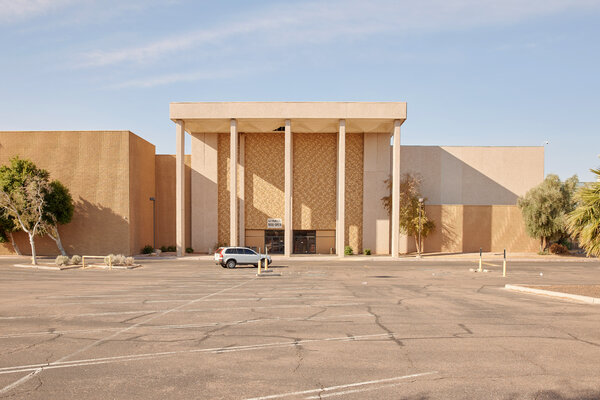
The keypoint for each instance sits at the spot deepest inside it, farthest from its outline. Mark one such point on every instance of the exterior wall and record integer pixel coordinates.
(95, 168)
(223, 188)
(314, 181)
(325, 242)
(467, 228)
(204, 192)
(354, 191)
(264, 178)
(141, 187)
(165, 166)
(377, 168)
(255, 238)
(474, 175)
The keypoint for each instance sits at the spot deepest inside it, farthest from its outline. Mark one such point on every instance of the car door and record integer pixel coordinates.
(251, 256)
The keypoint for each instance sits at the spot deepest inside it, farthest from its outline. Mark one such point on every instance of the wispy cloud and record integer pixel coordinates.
(13, 10)
(177, 77)
(319, 22)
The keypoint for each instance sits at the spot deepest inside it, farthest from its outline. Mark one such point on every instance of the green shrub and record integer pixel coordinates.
(348, 251)
(367, 252)
(557, 248)
(189, 250)
(163, 249)
(171, 248)
(61, 261)
(147, 249)
(76, 260)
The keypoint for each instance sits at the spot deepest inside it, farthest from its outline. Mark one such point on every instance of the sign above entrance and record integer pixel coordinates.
(274, 223)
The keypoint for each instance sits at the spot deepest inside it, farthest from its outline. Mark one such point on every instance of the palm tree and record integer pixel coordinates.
(584, 222)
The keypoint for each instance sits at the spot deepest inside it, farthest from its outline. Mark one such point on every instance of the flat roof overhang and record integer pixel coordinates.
(305, 116)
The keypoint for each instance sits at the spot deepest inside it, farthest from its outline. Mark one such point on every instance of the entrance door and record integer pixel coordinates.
(305, 242)
(274, 241)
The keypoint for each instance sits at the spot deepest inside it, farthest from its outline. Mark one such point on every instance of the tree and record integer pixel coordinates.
(584, 222)
(7, 227)
(58, 209)
(23, 191)
(545, 207)
(409, 209)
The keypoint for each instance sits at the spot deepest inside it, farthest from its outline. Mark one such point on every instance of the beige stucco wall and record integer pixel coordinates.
(264, 178)
(95, 167)
(467, 228)
(314, 181)
(474, 175)
(377, 168)
(204, 194)
(223, 188)
(165, 166)
(353, 234)
(142, 186)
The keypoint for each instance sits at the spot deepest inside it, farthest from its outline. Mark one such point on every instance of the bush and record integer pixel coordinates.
(557, 248)
(129, 261)
(367, 252)
(76, 260)
(147, 249)
(118, 259)
(348, 251)
(163, 249)
(61, 261)
(109, 259)
(189, 250)
(171, 248)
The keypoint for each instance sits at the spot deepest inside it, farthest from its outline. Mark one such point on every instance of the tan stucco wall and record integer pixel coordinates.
(467, 228)
(141, 187)
(325, 242)
(264, 178)
(354, 191)
(474, 175)
(223, 188)
(204, 176)
(95, 168)
(314, 181)
(165, 199)
(377, 168)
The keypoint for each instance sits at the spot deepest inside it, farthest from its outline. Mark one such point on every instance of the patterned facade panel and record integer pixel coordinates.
(264, 178)
(223, 186)
(314, 182)
(354, 191)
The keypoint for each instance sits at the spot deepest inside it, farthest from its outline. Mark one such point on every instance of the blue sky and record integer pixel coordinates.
(474, 72)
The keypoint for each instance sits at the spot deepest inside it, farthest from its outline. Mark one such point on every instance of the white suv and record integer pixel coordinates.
(229, 257)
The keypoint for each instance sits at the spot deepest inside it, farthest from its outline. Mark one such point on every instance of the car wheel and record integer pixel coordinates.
(231, 264)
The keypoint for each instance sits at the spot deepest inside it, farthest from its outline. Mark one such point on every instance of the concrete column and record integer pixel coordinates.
(289, 162)
(180, 188)
(233, 198)
(241, 194)
(396, 189)
(340, 226)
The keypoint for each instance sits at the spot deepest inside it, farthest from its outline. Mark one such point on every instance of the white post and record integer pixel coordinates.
(340, 229)
(396, 189)
(287, 224)
(180, 188)
(233, 203)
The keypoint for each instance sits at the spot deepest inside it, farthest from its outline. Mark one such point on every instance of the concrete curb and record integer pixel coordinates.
(47, 267)
(524, 289)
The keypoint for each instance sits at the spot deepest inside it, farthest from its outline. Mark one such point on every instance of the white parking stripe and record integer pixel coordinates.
(217, 350)
(332, 388)
(62, 359)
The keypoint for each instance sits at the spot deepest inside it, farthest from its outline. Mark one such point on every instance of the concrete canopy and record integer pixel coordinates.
(305, 116)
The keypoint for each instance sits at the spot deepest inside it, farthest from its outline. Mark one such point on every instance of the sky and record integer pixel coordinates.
(473, 72)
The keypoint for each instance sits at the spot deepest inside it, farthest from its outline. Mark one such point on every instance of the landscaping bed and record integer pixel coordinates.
(580, 290)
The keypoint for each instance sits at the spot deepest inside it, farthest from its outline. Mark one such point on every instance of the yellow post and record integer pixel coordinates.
(480, 260)
(83, 262)
(259, 261)
(266, 259)
(504, 265)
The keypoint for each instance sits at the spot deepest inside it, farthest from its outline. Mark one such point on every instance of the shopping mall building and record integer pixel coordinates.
(295, 177)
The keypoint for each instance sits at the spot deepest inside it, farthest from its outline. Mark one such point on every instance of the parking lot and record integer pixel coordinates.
(339, 329)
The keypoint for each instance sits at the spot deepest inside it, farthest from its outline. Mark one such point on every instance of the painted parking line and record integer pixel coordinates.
(332, 318)
(39, 369)
(322, 392)
(216, 350)
(211, 300)
(109, 313)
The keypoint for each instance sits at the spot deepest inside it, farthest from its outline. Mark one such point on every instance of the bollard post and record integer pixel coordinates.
(504, 265)
(259, 261)
(266, 259)
(480, 259)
